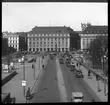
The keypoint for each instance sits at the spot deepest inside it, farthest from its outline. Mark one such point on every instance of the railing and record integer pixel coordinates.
(102, 78)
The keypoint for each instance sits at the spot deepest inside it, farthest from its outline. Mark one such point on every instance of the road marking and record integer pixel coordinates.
(61, 85)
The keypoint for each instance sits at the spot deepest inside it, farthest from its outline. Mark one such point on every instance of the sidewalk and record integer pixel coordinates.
(15, 85)
(94, 84)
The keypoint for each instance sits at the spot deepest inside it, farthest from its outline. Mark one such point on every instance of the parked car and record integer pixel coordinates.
(68, 64)
(79, 74)
(72, 68)
(61, 61)
(30, 61)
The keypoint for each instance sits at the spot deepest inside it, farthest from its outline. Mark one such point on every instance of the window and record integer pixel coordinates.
(64, 34)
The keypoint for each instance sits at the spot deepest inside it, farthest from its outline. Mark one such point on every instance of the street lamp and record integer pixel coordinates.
(34, 69)
(23, 60)
(103, 62)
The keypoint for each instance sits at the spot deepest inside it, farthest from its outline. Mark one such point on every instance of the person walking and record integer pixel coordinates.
(89, 73)
(28, 94)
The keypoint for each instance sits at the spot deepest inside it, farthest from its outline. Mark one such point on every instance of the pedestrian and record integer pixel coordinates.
(28, 94)
(97, 78)
(32, 66)
(89, 73)
(77, 64)
(43, 66)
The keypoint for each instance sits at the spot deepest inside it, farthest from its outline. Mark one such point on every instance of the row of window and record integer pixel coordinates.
(48, 46)
(44, 39)
(45, 43)
(46, 35)
(48, 49)
(13, 41)
(99, 32)
(13, 38)
(15, 46)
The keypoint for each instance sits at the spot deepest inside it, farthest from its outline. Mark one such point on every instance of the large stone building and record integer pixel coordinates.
(49, 39)
(90, 32)
(13, 40)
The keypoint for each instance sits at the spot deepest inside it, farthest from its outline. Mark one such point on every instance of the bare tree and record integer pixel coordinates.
(97, 49)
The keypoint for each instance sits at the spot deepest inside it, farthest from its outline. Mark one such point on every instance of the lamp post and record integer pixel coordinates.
(34, 69)
(23, 60)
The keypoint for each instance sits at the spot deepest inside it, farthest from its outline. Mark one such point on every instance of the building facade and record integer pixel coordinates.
(48, 39)
(4, 46)
(90, 33)
(22, 41)
(13, 40)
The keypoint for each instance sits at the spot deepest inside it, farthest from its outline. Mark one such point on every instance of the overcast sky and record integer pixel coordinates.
(25, 16)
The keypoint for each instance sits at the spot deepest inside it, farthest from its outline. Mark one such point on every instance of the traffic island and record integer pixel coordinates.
(8, 77)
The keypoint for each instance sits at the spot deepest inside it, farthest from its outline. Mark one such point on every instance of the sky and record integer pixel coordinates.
(18, 17)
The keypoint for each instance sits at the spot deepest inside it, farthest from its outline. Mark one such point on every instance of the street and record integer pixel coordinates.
(47, 89)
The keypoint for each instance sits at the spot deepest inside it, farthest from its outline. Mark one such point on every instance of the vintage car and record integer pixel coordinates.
(61, 61)
(72, 68)
(77, 97)
(79, 74)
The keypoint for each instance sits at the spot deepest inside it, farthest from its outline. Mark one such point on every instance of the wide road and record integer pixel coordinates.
(74, 84)
(47, 89)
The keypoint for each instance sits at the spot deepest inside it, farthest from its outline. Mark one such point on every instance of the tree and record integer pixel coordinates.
(97, 49)
(11, 50)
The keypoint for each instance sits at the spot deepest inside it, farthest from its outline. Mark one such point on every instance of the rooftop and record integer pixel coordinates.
(45, 30)
(96, 29)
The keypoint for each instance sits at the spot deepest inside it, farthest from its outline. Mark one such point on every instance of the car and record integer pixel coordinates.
(73, 63)
(79, 74)
(61, 61)
(68, 64)
(77, 97)
(72, 67)
(32, 60)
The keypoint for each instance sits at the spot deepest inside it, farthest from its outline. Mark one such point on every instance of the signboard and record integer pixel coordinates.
(23, 83)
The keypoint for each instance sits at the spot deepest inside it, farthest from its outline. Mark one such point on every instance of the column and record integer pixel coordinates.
(81, 43)
(68, 43)
(28, 44)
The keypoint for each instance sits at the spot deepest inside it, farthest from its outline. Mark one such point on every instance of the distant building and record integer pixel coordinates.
(49, 39)
(90, 32)
(13, 40)
(16, 40)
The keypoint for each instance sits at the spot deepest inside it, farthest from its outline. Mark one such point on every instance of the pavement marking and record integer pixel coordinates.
(61, 85)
